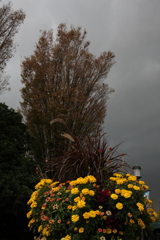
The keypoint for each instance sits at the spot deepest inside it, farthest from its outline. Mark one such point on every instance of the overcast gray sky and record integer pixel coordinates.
(130, 29)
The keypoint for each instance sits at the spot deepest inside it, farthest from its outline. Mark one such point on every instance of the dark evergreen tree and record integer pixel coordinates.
(17, 173)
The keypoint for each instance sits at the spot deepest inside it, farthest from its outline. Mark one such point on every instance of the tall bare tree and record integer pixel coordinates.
(9, 24)
(62, 79)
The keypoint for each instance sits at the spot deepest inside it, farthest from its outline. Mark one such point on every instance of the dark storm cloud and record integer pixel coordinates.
(130, 29)
(134, 109)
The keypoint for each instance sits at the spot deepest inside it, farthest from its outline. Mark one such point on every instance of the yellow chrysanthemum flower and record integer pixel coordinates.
(74, 190)
(85, 180)
(86, 215)
(131, 221)
(149, 201)
(127, 194)
(124, 180)
(130, 185)
(114, 196)
(67, 237)
(47, 233)
(112, 178)
(108, 230)
(120, 181)
(128, 174)
(48, 181)
(145, 187)
(141, 223)
(75, 218)
(91, 179)
(73, 183)
(141, 182)
(140, 206)
(33, 205)
(40, 228)
(91, 193)
(81, 204)
(132, 178)
(118, 174)
(123, 191)
(80, 180)
(136, 188)
(31, 221)
(77, 199)
(117, 191)
(74, 208)
(39, 185)
(97, 212)
(55, 189)
(119, 206)
(35, 194)
(85, 191)
(30, 201)
(114, 231)
(53, 184)
(81, 230)
(155, 214)
(44, 231)
(42, 183)
(92, 214)
(29, 214)
(69, 207)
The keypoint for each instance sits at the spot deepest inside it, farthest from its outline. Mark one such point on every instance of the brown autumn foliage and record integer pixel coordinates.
(9, 24)
(62, 79)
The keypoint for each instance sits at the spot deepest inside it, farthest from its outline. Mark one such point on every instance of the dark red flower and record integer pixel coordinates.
(106, 193)
(99, 150)
(110, 149)
(102, 195)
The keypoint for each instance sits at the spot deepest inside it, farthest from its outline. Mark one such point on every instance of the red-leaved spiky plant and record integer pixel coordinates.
(88, 157)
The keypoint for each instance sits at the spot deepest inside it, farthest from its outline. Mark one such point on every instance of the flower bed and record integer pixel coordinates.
(81, 209)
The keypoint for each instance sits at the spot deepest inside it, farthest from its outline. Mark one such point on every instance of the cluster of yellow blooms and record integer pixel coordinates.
(86, 215)
(84, 180)
(120, 179)
(42, 183)
(76, 199)
(151, 212)
(130, 181)
(80, 201)
(141, 223)
(140, 206)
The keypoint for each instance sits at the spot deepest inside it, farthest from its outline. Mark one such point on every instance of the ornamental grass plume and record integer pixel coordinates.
(70, 210)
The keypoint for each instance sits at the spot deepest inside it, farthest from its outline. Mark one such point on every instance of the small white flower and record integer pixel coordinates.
(108, 213)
